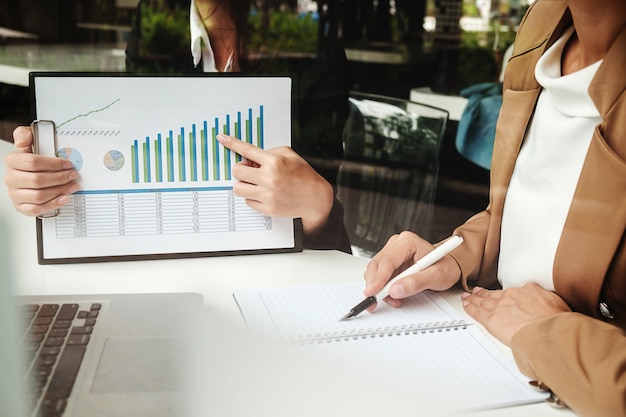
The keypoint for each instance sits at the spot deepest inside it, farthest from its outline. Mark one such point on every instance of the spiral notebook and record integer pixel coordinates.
(426, 344)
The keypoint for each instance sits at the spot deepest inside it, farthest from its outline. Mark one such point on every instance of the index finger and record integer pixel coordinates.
(244, 149)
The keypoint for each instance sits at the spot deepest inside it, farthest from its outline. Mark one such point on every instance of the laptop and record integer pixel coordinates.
(92, 355)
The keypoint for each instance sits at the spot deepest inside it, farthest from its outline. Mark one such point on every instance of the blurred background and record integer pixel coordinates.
(428, 51)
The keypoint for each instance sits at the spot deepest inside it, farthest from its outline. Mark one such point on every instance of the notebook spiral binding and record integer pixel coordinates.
(388, 331)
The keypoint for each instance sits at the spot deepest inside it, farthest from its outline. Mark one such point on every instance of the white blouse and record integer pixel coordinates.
(201, 45)
(547, 171)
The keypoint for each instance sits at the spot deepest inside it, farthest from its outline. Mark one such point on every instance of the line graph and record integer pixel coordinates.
(88, 113)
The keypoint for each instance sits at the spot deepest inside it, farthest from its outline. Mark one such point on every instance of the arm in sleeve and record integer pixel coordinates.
(333, 235)
(581, 359)
(470, 256)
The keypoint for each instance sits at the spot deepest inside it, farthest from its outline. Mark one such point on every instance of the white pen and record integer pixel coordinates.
(423, 263)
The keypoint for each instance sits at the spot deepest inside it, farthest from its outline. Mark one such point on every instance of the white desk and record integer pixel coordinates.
(453, 104)
(215, 278)
(17, 61)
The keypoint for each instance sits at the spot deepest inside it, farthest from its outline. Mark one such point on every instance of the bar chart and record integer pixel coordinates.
(154, 178)
(193, 153)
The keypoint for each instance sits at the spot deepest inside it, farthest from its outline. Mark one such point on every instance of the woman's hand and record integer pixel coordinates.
(400, 252)
(279, 182)
(504, 312)
(37, 183)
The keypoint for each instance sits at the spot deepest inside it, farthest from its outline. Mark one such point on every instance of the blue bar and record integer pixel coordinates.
(181, 156)
(159, 158)
(216, 151)
(204, 139)
(238, 133)
(249, 126)
(193, 155)
(261, 128)
(227, 152)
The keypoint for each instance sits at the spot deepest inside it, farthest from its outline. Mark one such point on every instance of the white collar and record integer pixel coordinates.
(200, 44)
(569, 92)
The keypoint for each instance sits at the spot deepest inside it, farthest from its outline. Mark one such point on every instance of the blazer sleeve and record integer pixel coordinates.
(470, 256)
(333, 235)
(571, 347)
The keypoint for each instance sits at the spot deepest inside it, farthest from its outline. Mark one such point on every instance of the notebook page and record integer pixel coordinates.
(316, 310)
(458, 363)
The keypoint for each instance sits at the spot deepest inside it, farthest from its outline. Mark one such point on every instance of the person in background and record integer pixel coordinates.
(199, 36)
(544, 266)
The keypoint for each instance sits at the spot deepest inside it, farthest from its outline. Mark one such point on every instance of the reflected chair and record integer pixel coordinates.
(388, 177)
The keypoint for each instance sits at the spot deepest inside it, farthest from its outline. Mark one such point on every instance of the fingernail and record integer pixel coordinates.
(465, 295)
(68, 165)
(476, 289)
(221, 138)
(73, 175)
(63, 200)
(465, 302)
(397, 291)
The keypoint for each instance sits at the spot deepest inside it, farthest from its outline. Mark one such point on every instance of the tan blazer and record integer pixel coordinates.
(581, 356)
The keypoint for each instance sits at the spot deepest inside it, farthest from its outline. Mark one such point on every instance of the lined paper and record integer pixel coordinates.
(458, 363)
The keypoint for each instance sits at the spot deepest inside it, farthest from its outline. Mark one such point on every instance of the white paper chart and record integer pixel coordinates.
(154, 179)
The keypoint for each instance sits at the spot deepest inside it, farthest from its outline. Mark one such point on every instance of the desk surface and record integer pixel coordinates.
(216, 278)
(17, 61)
(454, 104)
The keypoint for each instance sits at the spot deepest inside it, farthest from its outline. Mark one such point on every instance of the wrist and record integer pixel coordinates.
(317, 216)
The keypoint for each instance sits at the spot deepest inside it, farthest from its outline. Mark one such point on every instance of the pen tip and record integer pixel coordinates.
(346, 317)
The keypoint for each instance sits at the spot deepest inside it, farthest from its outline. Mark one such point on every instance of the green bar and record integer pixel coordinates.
(133, 156)
(216, 156)
(146, 162)
(193, 158)
(181, 159)
(205, 155)
(248, 138)
(158, 169)
(170, 157)
(237, 156)
(226, 163)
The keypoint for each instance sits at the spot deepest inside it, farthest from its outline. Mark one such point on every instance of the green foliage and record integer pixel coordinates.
(164, 30)
(470, 9)
(286, 32)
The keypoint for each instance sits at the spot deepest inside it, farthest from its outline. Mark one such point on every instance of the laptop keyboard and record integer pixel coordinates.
(54, 344)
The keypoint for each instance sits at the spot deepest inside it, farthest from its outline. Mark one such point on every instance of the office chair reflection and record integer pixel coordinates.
(388, 177)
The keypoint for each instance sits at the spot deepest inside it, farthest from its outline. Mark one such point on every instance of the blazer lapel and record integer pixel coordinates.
(597, 215)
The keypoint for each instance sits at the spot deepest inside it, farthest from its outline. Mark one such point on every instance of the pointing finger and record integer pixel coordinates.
(244, 149)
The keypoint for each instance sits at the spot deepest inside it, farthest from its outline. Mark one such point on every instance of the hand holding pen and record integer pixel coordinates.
(390, 258)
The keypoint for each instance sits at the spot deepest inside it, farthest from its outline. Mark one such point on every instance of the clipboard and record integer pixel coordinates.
(155, 183)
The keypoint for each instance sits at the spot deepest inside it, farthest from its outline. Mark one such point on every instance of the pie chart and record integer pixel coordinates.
(113, 160)
(72, 155)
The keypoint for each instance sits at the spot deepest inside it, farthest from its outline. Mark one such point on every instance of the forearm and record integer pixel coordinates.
(581, 359)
